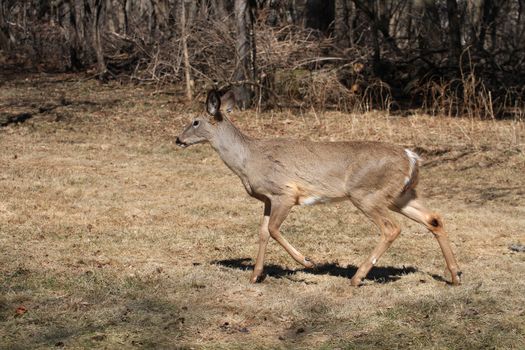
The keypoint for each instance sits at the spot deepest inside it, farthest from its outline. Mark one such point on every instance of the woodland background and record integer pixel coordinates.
(447, 57)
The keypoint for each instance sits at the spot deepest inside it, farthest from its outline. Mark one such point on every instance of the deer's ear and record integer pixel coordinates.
(213, 105)
(228, 101)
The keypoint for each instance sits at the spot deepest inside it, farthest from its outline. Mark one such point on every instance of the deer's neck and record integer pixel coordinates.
(232, 146)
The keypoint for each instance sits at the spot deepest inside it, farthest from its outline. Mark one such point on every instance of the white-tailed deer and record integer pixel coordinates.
(376, 177)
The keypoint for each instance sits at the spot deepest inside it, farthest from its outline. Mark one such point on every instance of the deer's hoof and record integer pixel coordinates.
(356, 282)
(257, 278)
(309, 264)
(453, 277)
(456, 278)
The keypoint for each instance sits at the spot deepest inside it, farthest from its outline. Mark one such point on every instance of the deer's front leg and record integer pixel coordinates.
(280, 209)
(264, 236)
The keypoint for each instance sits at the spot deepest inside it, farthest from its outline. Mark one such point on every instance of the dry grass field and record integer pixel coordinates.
(112, 237)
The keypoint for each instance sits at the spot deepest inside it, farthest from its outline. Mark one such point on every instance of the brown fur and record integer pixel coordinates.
(376, 177)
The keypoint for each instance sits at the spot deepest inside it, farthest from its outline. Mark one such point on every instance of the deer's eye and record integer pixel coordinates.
(195, 123)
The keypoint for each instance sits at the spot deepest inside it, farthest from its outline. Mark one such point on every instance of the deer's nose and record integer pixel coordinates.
(178, 142)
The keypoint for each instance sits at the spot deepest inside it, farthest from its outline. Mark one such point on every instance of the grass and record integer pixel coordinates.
(112, 237)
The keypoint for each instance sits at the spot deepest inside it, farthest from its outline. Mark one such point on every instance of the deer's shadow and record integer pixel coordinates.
(379, 274)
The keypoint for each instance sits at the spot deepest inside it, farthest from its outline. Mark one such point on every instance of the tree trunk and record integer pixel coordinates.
(429, 28)
(187, 67)
(342, 29)
(488, 20)
(454, 33)
(110, 13)
(74, 39)
(124, 16)
(162, 16)
(245, 49)
(320, 14)
(4, 38)
(98, 10)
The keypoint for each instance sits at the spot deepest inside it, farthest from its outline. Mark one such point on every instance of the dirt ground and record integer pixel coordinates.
(112, 237)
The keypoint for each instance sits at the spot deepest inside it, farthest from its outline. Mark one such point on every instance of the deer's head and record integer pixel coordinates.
(203, 128)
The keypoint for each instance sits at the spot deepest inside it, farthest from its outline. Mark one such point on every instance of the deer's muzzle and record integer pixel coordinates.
(179, 143)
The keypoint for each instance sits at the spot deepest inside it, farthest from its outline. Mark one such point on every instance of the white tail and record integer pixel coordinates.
(377, 178)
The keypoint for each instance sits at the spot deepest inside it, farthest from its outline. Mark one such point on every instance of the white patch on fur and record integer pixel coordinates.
(313, 200)
(413, 158)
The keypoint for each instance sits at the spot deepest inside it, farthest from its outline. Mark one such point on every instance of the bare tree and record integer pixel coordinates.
(245, 69)
(454, 32)
(320, 14)
(403, 47)
(187, 67)
(73, 36)
(5, 36)
(97, 8)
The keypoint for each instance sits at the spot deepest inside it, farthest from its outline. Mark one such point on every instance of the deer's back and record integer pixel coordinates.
(315, 172)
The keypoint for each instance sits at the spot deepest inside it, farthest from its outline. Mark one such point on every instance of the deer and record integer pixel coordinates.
(378, 178)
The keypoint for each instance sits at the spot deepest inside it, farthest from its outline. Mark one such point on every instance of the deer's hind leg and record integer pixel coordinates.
(390, 230)
(408, 205)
